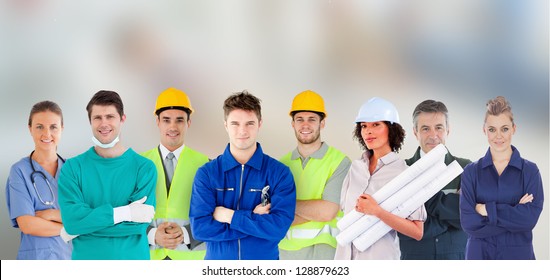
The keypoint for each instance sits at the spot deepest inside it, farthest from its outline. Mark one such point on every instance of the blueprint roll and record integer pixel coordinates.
(412, 189)
(347, 220)
(369, 237)
(409, 206)
(379, 229)
(437, 154)
(366, 221)
(354, 230)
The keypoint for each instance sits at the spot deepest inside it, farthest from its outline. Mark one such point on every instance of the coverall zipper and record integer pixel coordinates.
(239, 203)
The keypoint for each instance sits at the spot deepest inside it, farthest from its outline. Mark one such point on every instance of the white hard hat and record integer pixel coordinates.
(377, 109)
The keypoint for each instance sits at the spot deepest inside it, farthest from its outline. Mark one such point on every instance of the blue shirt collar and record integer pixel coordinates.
(515, 159)
(229, 162)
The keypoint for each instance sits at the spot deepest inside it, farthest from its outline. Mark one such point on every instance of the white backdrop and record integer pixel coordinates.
(459, 52)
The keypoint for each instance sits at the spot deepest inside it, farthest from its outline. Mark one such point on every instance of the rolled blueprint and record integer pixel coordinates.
(375, 232)
(420, 166)
(365, 222)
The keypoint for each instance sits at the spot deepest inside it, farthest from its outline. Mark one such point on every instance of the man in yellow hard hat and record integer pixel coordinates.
(318, 171)
(169, 234)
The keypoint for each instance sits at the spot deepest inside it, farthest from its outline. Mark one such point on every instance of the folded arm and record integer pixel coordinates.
(80, 218)
(201, 212)
(315, 210)
(524, 215)
(37, 226)
(472, 222)
(272, 226)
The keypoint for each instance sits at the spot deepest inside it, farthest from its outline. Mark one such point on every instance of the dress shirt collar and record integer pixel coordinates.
(164, 152)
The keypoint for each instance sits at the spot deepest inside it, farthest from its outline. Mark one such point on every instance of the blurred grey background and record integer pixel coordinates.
(459, 52)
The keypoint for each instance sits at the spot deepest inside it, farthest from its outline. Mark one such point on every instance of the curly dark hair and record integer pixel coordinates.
(396, 136)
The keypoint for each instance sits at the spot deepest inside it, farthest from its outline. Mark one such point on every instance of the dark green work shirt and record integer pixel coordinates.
(443, 237)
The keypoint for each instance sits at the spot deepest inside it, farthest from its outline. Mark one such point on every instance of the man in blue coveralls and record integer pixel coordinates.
(242, 202)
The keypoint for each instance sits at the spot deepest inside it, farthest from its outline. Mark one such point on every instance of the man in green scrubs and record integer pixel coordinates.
(107, 194)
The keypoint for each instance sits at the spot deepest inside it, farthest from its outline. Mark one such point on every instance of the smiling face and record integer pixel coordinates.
(376, 136)
(499, 130)
(242, 128)
(46, 130)
(106, 123)
(173, 125)
(431, 130)
(307, 127)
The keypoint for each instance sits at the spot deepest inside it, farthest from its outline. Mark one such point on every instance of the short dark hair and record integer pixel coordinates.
(105, 98)
(45, 106)
(244, 101)
(321, 115)
(430, 106)
(396, 136)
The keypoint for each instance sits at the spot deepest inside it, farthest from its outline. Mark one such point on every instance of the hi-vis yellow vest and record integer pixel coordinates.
(310, 184)
(175, 206)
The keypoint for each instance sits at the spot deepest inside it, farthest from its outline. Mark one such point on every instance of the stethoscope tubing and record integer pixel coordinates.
(37, 172)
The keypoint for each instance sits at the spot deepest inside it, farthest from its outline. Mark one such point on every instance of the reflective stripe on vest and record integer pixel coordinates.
(311, 233)
(310, 184)
(174, 206)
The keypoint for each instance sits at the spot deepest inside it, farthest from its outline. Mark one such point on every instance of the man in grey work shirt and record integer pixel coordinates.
(318, 171)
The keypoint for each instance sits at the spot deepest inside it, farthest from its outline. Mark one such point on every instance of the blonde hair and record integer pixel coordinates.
(499, 105)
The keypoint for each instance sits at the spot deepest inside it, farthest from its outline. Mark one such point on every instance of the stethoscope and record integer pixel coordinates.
(40, 173)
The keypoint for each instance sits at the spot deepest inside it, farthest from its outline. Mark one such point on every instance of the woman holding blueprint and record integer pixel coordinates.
(379, 133)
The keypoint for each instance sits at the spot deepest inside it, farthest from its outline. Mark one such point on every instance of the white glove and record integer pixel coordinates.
(141, 213)
(186, 239)
(134, 212)
(65, 236)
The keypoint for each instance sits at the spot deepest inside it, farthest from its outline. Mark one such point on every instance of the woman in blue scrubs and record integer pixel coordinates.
(502, 195)
(31, 190)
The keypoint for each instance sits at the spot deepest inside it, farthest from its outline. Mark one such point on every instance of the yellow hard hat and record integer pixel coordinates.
(173, 98)
(308, 101)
